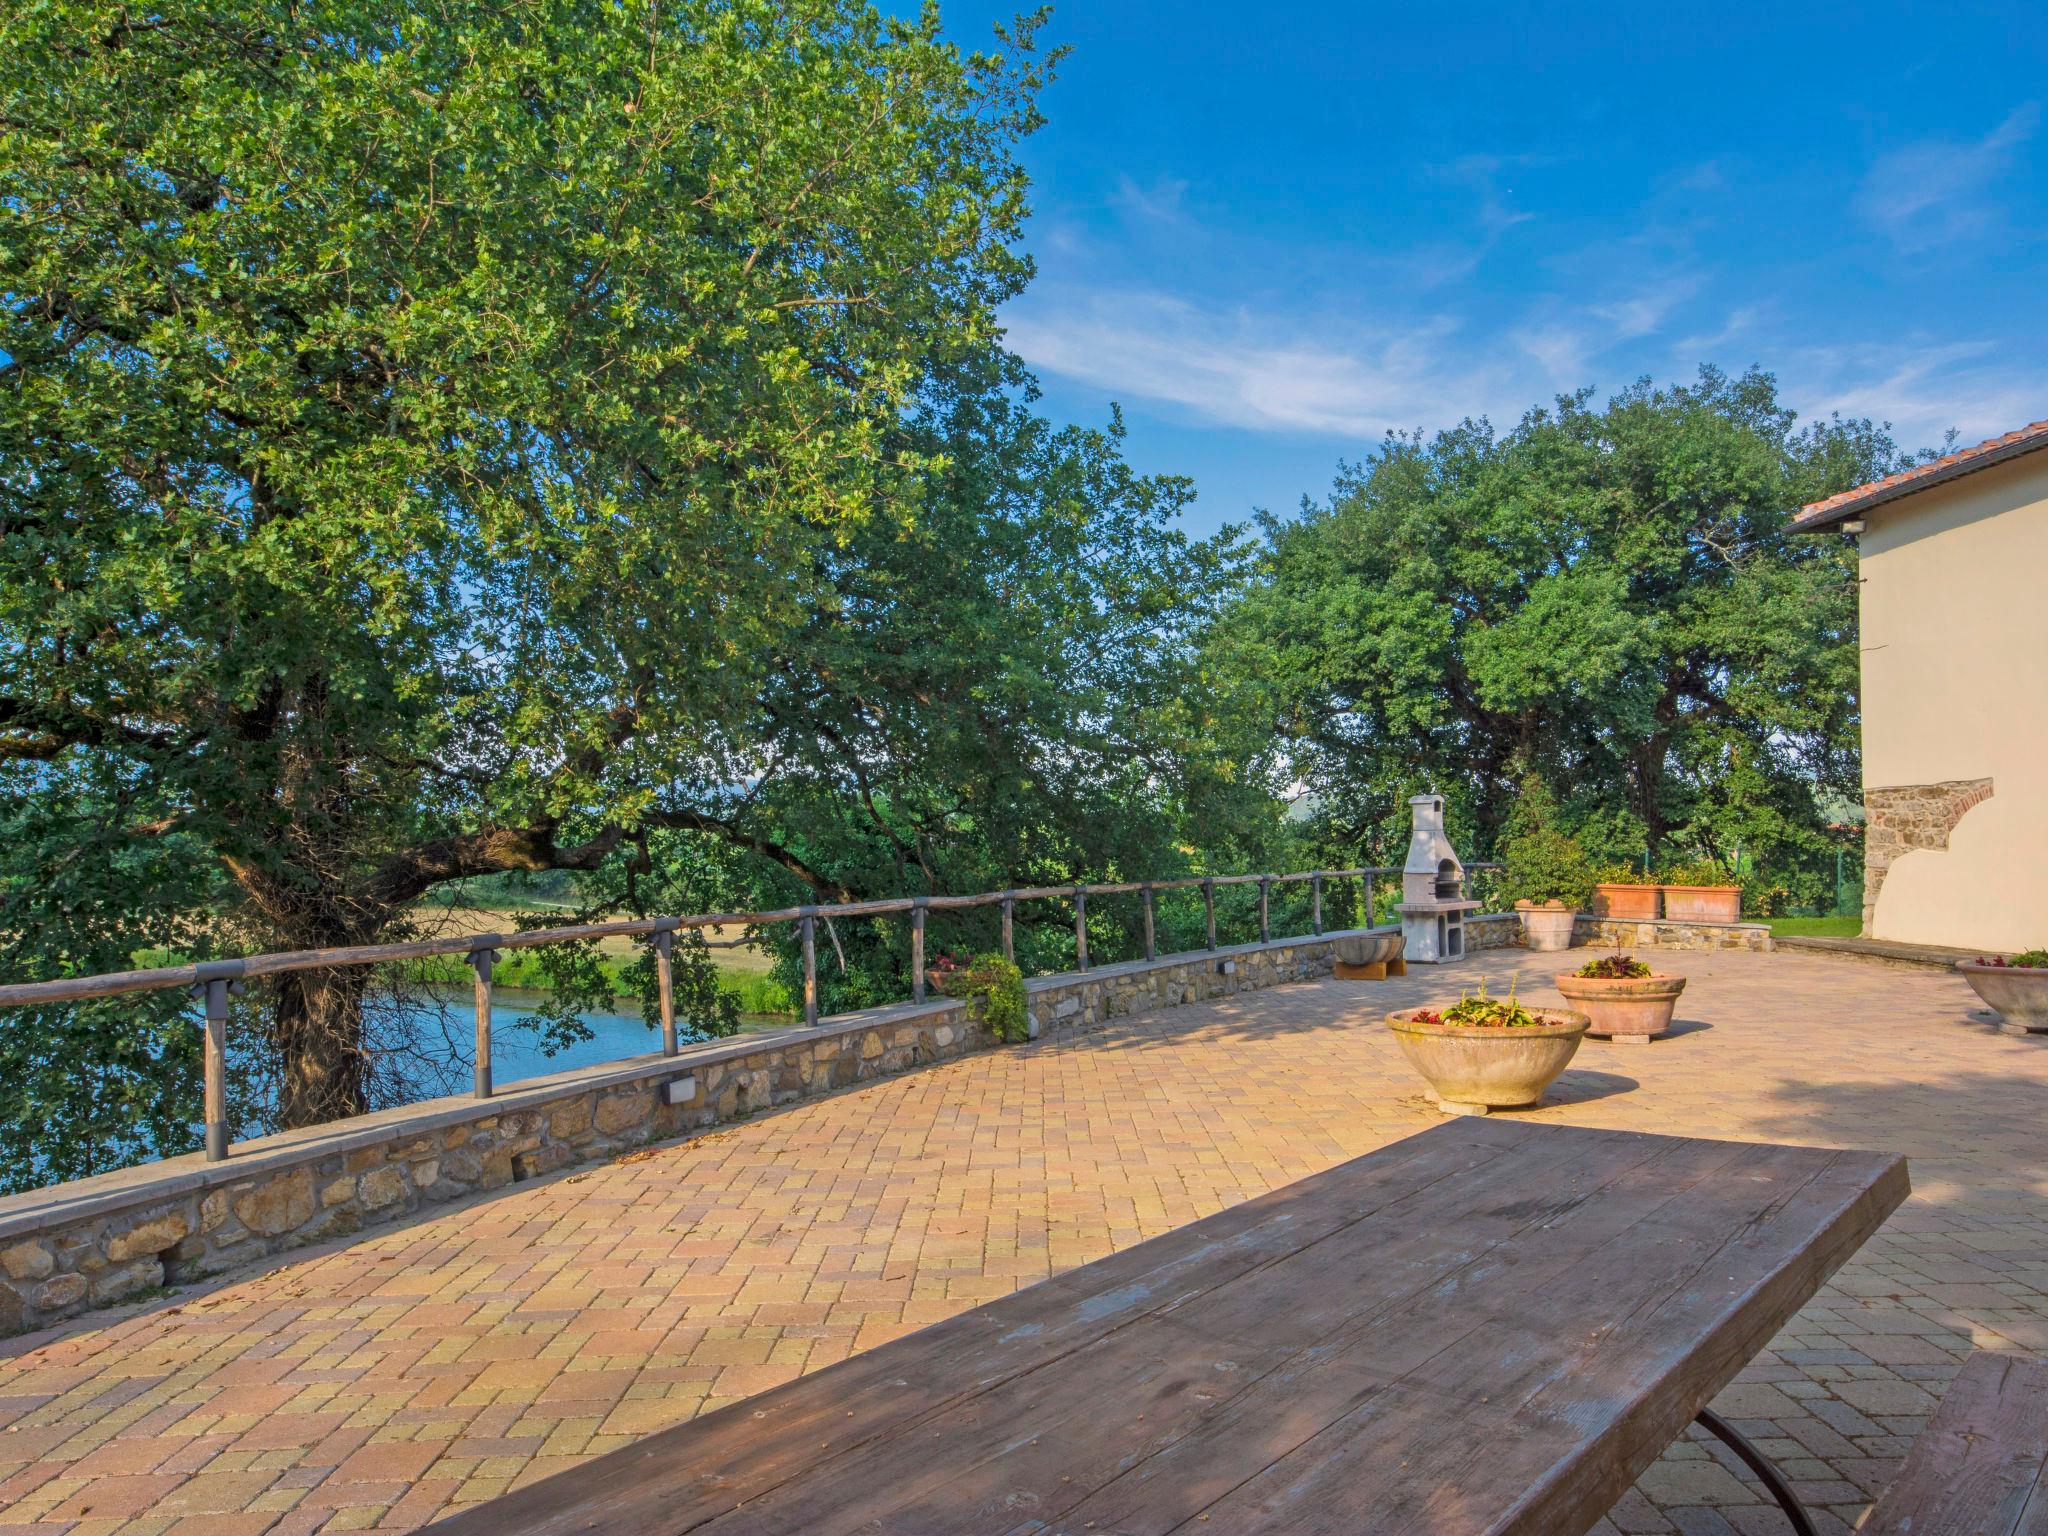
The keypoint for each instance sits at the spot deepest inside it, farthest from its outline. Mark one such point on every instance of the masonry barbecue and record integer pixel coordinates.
(1433, 901)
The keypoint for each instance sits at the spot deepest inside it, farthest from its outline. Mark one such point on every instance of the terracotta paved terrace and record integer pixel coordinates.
(370, 1387)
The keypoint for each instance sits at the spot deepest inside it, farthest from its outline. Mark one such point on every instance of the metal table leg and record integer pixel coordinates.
(1754, 1459)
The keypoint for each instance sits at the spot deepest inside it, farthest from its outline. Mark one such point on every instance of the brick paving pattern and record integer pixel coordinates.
(371, 1386)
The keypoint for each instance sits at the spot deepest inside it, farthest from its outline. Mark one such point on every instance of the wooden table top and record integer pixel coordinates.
(1489, 1327)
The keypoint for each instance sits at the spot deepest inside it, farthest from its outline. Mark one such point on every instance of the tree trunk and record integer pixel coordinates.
(318, 1025)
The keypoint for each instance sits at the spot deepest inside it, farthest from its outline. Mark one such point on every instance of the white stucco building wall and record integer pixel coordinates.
(1955, 709)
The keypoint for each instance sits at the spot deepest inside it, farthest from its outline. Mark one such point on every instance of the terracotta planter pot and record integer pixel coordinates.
(2017, 993)
(1546, 927)
(1635, 1009)
(1702, 903)
(1635, 902)
(1472, 1071)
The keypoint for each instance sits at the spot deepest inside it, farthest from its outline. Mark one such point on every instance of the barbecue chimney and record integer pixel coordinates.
(1433, 901)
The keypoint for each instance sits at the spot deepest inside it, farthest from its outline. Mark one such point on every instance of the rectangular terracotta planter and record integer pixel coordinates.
(1703, 903)
(1629, 901)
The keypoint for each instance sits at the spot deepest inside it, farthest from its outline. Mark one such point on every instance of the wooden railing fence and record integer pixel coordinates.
(212, 981)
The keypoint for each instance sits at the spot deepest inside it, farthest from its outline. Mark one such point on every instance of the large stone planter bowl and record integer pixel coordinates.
(1634, 903)
(1703, 903)
(1368, 957)
(1472, 1071)
(1632, 1009)
(1547, 927)
(2018, 993)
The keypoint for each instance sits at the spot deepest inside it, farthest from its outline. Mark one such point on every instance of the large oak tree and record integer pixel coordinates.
(1603, 600)
(423, 429)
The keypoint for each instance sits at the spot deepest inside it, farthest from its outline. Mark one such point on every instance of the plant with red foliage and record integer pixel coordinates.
(1613, 968)
(2026, 960)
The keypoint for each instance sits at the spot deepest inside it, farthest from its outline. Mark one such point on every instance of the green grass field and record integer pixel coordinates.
(1817, 927)
(756, 991)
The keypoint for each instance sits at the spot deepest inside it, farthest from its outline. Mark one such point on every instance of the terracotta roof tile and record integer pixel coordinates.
(1993, 450)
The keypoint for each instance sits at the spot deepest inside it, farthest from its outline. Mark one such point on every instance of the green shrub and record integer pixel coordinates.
(1765, 901)
(758, 992)
(1699, 872)
(1544, 865)
(1624, 874)
(993, 989)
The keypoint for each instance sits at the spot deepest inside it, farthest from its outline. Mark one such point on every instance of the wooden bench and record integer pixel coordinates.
(1980, 1468)
(1489, 1329)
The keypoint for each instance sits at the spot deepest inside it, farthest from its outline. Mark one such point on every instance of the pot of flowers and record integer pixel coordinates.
(944, 968)
(1624, 998)
(1550, 878)
(2015, 987)
(1700, 893)
(1626, 893)
(1484, 1053)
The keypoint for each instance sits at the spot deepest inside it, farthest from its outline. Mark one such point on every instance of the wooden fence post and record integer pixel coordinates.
(1315, 900)
(917, 949)
(216, 979)
(665, 976)
(1150, 944)
(1080, 928)
(1265, 911)
(1009, 929)
(1209, 909)
(809, 929)
(481, 962)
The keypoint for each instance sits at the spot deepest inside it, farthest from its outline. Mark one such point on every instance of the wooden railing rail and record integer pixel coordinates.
(212, 981)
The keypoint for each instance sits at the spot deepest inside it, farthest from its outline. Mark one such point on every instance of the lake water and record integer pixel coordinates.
(515, 1043)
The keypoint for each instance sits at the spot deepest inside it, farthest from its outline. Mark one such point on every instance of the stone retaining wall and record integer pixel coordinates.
(1503, 930)
(1663, 933)
(1082, 1000)
(1494, 930)
(97, 1241)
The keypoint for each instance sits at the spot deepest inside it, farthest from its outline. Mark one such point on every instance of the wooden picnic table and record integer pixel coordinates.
(1490, 1327)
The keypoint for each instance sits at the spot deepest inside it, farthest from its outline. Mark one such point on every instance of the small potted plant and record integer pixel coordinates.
(1701, 893)
(2015, 987)
(1549, 879)
(993, 989)
(1483, 1053)
(1625, 892)
(943, 970)
(1624, 998)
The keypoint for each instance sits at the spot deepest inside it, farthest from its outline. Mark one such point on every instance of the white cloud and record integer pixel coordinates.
(1566, 342)
(1325, 368)
(1388, 345)
(1923, 388)
(1938, 191)
(1265, 372)
(1483, 173)
(1741, 321)
(1562, 350)
(1643, 313)
(1255, 371)
(1163, 202)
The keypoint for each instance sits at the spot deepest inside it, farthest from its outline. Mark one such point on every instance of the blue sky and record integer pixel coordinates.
(1273, 233)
